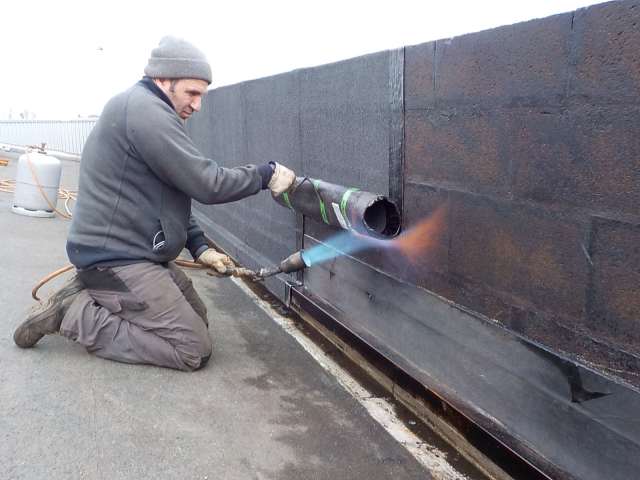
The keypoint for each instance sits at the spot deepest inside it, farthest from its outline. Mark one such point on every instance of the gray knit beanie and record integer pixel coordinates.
(177, 58)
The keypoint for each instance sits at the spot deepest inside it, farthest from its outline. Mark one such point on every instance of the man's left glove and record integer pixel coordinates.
(216, 260)
(281, 180)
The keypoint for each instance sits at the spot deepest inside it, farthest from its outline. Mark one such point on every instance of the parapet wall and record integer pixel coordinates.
(529, 134)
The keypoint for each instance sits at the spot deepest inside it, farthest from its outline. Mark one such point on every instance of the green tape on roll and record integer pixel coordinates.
(323, 210)
(285, 196)
(343, 203)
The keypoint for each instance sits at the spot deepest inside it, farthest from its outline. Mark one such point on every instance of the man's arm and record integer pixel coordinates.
(158, 136)
(196, 241)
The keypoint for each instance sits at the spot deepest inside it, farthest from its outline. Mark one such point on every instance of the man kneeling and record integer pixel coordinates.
(138, 173)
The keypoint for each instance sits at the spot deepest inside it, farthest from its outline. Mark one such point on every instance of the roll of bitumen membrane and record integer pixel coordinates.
(350, 208)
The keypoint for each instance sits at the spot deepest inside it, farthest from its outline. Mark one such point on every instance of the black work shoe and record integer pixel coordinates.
(46, 317)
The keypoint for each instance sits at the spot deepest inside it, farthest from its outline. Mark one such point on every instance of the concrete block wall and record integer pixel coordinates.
(531, 134)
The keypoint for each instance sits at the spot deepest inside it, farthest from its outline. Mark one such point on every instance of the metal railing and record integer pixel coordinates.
(63, 135)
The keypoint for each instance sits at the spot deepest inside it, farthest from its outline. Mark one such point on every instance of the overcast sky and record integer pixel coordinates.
(64, 58)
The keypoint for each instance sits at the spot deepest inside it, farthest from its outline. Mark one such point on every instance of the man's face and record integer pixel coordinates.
(185, 94)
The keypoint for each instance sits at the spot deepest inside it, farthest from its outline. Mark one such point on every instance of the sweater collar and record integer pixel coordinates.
(147, 82)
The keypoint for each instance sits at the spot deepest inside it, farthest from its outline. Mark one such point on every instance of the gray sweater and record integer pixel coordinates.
(138, 174)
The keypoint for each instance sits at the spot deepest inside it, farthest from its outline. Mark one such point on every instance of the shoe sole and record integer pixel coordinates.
(30, 325)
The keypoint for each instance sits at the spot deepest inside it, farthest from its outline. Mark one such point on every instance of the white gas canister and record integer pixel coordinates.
(35, 169)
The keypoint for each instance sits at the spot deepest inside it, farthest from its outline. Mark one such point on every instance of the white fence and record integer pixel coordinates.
(62, 135)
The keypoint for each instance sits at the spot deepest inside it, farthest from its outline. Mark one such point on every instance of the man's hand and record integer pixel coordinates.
(216, 260)
(281, 180)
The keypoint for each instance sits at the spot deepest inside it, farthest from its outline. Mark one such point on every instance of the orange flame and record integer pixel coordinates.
(420, 240)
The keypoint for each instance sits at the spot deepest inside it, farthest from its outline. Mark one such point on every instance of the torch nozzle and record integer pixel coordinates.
(267, 272)
(293, 263)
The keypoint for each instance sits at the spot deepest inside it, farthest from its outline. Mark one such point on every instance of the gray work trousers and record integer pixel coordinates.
(141, 313)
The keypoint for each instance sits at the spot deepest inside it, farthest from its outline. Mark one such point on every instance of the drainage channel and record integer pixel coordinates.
(448, 444)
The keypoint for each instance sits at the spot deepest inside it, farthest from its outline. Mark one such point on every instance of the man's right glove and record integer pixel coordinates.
(281, 180)
(216, 260)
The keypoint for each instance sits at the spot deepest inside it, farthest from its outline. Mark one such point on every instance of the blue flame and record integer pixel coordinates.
(344, 243)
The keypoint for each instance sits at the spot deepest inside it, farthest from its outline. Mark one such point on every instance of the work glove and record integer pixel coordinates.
(216, 260)
(281, 180)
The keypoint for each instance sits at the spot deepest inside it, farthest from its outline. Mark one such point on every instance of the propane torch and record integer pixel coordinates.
(293, 263)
